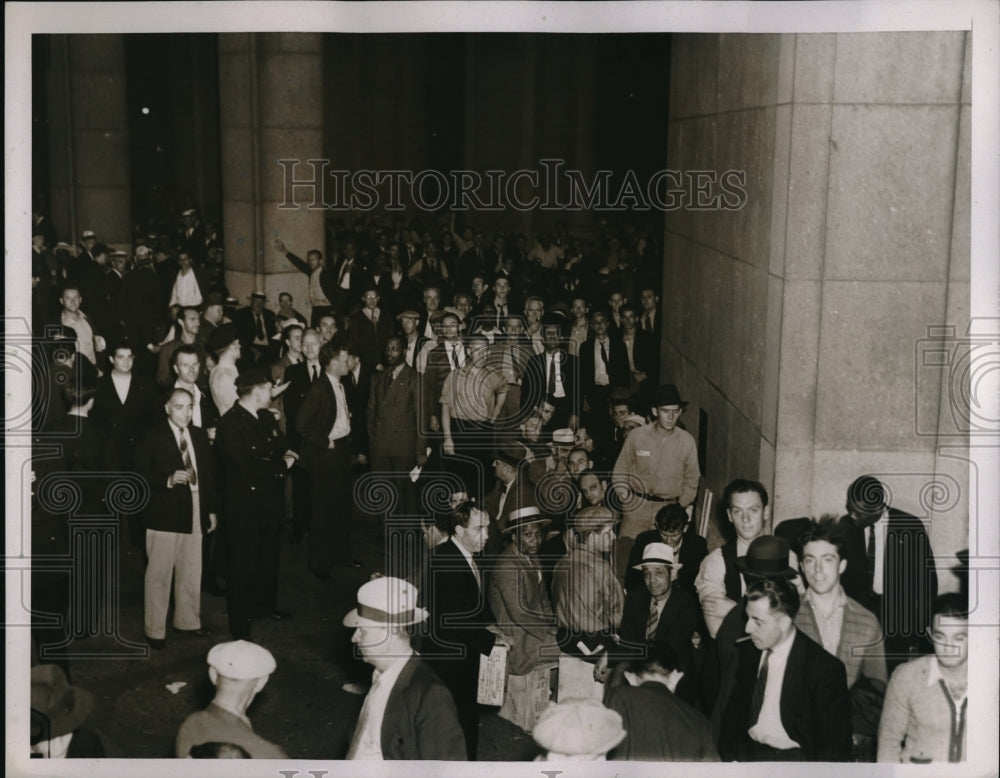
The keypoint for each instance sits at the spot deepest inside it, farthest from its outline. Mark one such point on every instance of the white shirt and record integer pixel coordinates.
(84, 334)
(601, 377)
(367, 740)
(470, 560)
(769, 730)
(411, 352)
(186, 290)
(121, 384)
(629, 342)
(345, 274)
(879, 529)
(455, 350)
(372, 314)
(553, 362)
(178, 434)
(316, 295)
(342, 424)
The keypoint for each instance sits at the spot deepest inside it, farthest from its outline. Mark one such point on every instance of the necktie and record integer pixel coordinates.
(315, 372)
(550, 388)
(646, 323)
(388, 380)
(344, 268)
(454, 357)
(604, 356)
(871, 554)
(260, 328)
(757, 700)
(475, 572)
(653, 621)
(186, 458)
(375, 317)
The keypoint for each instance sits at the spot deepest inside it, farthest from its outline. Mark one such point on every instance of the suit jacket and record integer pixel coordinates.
(369, 339)
(357, 393)
(534, 383)
(618, 371)
(521, 605)
(694, 549)
(437, 369)
(299, 382)
(315, 420)
(209, 413)
(346, 299)
(815, 707)
(156, 458)
(909, 581)
(459, 613)
(126, 421)
(645, 354)
(393, 415)
(678, 621)
(521, 492)
(661, 727)
(420, 720)
(246, 327)
(251, 449)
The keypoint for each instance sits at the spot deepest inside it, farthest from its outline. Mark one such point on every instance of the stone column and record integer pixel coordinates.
(88, 138)
(271, 109)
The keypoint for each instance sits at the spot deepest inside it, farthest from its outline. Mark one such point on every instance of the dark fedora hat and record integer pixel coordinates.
(767, 557)
(253, 376)
(512, 455)
(667, 394)
(56, 707)
(221, 337)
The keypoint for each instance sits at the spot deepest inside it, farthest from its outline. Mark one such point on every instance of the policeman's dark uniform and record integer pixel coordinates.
(251, 449)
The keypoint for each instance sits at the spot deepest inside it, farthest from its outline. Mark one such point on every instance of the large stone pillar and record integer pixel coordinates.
(271, 109)
(800, 322)
(88, 138)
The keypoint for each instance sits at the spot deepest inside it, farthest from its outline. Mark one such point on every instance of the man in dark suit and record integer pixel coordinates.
(140, 308)
(642, 351)
(395, 432)
(673, 527)
(603, 366)
(553, 375)
(257, 327)
(324, 427)
(177, 462)
(255, 458)
(370, 328)
(300, 377)
(446, 356)
(663, 613)
(462, 625)
(790, 700)
(890, 568)
(357, 385)
(351, 279)
(191, 235)
(511, 490)
(661, 727)
(416, 718)
(126, 404)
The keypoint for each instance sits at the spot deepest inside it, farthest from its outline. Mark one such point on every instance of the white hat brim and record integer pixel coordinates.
(352, 619)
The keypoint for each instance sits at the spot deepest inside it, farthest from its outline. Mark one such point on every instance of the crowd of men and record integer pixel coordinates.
(509, 400)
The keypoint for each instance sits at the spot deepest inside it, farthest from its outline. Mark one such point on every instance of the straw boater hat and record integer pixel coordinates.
(523, 517)
(579, 727)
(658, 554)
(385, 602)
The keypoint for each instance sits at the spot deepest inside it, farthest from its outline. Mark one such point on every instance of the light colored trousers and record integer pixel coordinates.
(177, 556)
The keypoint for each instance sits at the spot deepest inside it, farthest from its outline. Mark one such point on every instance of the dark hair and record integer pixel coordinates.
(120, 345)
(671, 518)
(740, 486)
(330, 351)
(825, 529)
(182, 311)
(659, 658)
(314, 253)
(866, 495)
(286, 333)
(952, 604)
(459, 517)
(780, 594)
(214, 750)
(185, 349)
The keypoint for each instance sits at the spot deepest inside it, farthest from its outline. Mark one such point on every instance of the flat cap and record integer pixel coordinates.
(408, 314)
(242, 660)
(577, 727)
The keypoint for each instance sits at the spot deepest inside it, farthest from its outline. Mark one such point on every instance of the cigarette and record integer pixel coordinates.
(743, 639)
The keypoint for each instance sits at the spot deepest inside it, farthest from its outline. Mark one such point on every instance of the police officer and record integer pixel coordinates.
(255, 458)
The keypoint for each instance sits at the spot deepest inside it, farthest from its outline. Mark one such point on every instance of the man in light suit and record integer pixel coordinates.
(790, 700)
(395, 433)
(324, 427)
(408, 713)
(178, 464)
